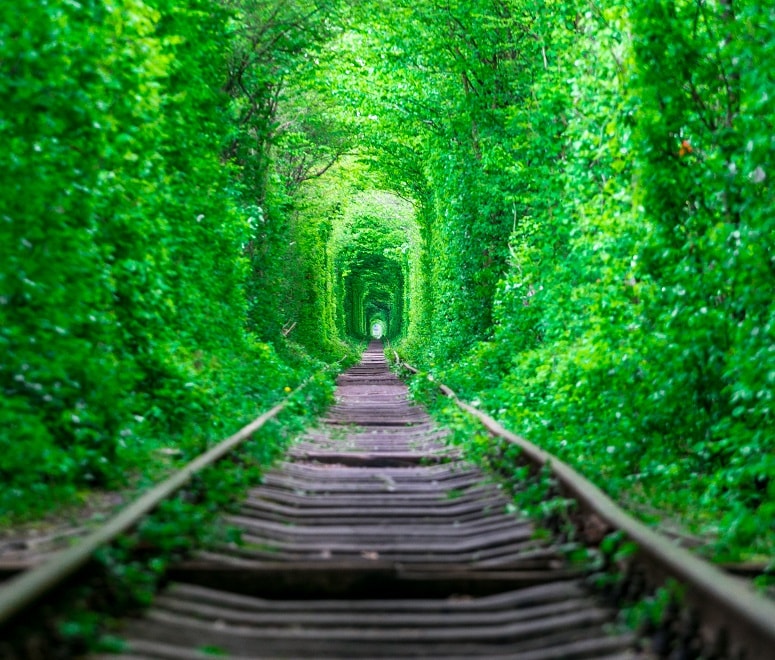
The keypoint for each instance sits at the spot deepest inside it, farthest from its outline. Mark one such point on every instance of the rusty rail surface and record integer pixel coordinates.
(21, 591)
(727, 607)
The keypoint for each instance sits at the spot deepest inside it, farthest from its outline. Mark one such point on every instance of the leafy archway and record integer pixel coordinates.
(372, 255)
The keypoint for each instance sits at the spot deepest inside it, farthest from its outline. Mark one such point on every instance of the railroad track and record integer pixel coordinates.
(375, 539)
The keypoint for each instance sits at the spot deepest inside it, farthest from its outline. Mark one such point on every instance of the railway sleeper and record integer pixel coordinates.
(374, 539)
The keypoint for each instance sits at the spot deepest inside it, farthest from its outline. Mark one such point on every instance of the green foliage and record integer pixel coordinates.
(280, 136)
(371, 247)
(595, 209)
(123, 236)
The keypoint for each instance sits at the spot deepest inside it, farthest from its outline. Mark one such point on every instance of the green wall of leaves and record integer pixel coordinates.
(597, 214)
(132, 228)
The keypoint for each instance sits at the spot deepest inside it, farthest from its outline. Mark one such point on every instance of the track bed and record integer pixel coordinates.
(375, 539)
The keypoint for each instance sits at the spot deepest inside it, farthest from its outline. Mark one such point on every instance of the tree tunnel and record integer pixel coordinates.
(373, 288)
(372, 262)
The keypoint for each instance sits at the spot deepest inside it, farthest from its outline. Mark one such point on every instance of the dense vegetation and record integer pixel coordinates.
(140, 255)
(561, 207)
(594, 196)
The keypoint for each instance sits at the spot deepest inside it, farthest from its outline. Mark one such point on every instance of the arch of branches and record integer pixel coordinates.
(373, 290)
(372, 267)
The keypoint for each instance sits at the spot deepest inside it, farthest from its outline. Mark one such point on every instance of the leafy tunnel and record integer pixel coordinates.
(373, 256)
(562, 208)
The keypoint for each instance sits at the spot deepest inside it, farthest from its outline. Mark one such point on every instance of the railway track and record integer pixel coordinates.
(375, 539)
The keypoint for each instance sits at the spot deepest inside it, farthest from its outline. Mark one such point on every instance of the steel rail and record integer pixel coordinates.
(724, 602)
(23, 590)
